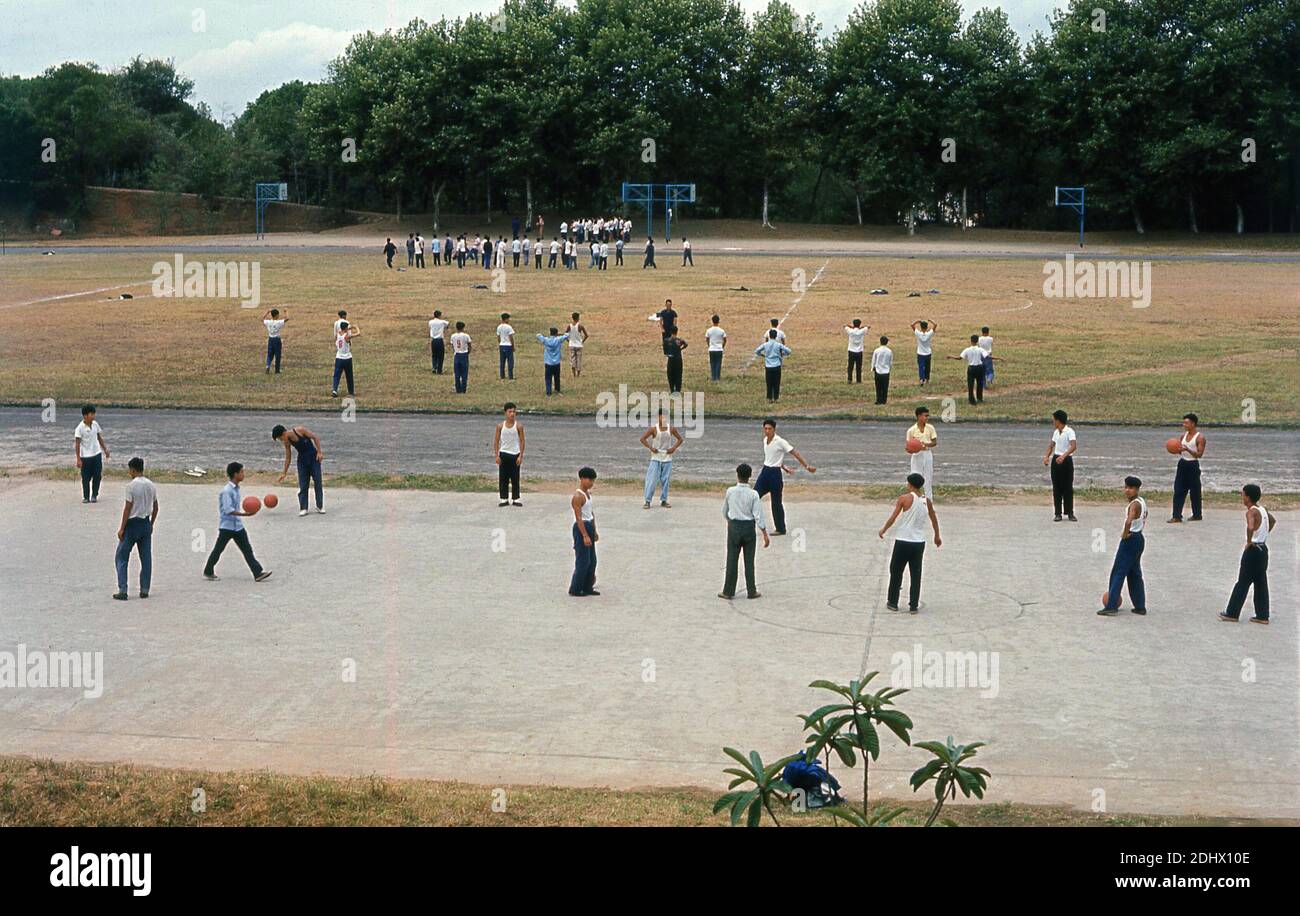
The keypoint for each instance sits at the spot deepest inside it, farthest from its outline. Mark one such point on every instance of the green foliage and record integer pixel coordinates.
(750, 803)
(949, 773)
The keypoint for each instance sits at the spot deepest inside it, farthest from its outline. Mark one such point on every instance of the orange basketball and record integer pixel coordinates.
(252, 504)
(1105, 599)
(1174, 446)
(270, 500)
(914, 445)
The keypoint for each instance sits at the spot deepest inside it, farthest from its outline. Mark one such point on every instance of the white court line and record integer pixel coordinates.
(89, 292)
(790, 310)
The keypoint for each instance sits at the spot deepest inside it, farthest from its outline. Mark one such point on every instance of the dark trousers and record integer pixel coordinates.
(1253, 571)
(515, 255)
(618, 257)
(389, 257)
(770, 481)
(584, 561)
(410, 257)
(687, 259)
(649, 262)
(923, 367)
(92, 472)
(855, 363)
(1063, 485)
(675, 364)
(139, 534)
(274, 349)
(240, 538)
(550, 264)
(975, 383)
(1187, 480)
(437, 259)
(882, 387)
(507, 361)
(460, 371)
(1128, 568)
(741, 538)
(772, 374)
(906, 554)
(437, 353)
(309, 473)
(715, 364)
(343, 367)
(508, 475)
(419, 259)
(537, 262)
(552, 377)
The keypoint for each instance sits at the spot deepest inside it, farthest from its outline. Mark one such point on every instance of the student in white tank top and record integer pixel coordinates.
(585, 537)
(662, 440)
(508, 447)
(1253, 571)
(1127, 568)
(1187, 477)
(911, 511)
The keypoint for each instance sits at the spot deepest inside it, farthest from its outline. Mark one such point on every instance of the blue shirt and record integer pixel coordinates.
(229, 502)
(552, 347)
(772, 351)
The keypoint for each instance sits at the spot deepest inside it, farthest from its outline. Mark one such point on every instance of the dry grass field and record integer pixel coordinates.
(1214, 335)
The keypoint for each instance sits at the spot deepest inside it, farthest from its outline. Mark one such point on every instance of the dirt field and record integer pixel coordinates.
(1214, 335)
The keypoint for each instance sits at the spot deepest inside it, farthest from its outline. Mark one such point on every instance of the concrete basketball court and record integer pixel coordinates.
(473, 664)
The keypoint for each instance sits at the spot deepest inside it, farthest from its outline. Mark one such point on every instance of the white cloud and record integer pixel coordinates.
(243, 69)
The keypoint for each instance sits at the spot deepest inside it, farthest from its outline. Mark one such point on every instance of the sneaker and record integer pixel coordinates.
(1108, 612)
(302, 512)
(1057, 519)
(755, 595)
(86, 502)
(593, 592)
(334, 394)
(503, 504)
(1140, 611)
(913, 610)
(94, 499)
(262, 576)
(144, 594)
(1071, 518)
(1196, 518)
(646, 506)
(320, 511)
(268, 370)
(1173, 521)
(1227, 618)
(725, 596)
(1263, 620)
(517, 503)
(891, 607)
(212, 577)
(665, 505)
(119, 596)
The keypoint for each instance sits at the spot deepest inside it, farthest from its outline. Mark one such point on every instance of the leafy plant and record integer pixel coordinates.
(949, 774)
(767, 785)
(849, 727)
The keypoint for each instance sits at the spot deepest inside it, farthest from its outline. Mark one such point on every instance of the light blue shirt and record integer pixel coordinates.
(742, 504)
(229, 502)
(552, 347)
(773, 352)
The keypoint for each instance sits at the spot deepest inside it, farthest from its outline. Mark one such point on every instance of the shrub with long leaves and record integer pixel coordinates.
(949, 774)
(767, 785)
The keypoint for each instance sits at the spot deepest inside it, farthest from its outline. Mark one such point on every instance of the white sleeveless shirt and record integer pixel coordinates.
(510, 438)
(913, 521)
(1261, 533)
(660, 442)
(587, 514)
(1188, 450)
(1141, 521)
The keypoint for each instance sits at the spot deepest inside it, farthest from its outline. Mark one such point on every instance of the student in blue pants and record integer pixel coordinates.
(139, 513)
(310, 453)
(583, 583)
(1128, 558)
(769, 479)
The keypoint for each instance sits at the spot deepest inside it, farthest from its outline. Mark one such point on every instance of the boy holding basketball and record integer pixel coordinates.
(922, 461)
(231, 528)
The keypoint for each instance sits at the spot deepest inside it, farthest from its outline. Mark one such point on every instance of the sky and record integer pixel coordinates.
(233, 50)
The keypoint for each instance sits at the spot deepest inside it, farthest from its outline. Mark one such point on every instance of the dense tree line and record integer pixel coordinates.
(1172, 114)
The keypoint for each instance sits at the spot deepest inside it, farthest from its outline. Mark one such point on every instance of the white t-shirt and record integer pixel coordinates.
(460, 342)
(923, 339)
(1061, 439)
(437, 327)
(882, 359)
(505, 335)
(343, 346)
(973, 355)
(419, 244)
(273, 326)
(774, 452)
(986, 344)
(715, 336)
(89, 436)
(141, 494)
(564, 227)
(555, 247)
(338, 322)
(856, 337)
(575, 337)
(516, 246)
